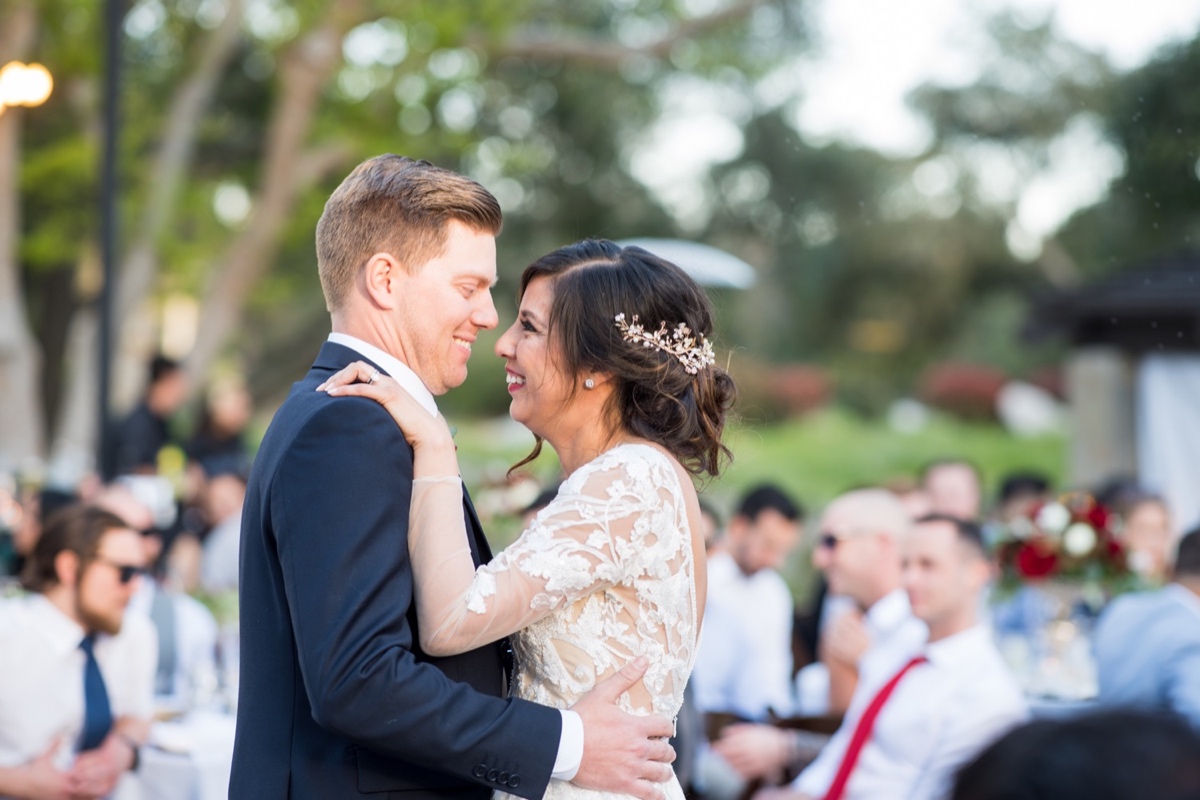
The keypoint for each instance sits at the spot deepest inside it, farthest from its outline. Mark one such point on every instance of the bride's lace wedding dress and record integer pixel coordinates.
(604, 574)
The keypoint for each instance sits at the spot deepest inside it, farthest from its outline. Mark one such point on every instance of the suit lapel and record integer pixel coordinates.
(481, 551)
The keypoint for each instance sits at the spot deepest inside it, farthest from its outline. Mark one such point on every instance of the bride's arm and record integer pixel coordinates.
(574, 548)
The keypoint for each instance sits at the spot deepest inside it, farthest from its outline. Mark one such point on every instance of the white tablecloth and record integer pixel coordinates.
(185, 760)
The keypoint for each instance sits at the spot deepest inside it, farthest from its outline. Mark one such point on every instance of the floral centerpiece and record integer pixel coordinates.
(1058, 566)
(1071, 540)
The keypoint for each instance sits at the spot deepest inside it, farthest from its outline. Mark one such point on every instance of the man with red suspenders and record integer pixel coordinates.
(914, 721)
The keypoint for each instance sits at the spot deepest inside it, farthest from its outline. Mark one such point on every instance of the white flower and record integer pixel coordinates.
(1079, 540)
(1054, 518)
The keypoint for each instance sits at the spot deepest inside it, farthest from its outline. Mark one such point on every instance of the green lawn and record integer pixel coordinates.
(816, 458)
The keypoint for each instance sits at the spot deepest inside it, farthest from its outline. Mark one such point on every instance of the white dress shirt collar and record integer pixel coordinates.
(392, 366)
(61, 633)
(889, 611)
(960, 648)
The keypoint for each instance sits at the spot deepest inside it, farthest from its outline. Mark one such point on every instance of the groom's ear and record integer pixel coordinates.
(382, 278)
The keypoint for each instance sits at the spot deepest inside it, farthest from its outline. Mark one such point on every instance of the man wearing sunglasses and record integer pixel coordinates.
(76, 697)
(858, 550)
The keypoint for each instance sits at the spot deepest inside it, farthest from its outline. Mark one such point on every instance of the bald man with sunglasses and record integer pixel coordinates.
(858, 550)
(76, 672)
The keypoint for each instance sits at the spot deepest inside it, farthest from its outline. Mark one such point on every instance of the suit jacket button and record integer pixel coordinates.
(514, 782)
(492, 774)
(503, 779)
(479, 771)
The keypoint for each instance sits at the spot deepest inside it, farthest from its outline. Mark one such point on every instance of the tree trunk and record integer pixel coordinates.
(287, 170)
(21, 423)
(75, 429)
(173, 159)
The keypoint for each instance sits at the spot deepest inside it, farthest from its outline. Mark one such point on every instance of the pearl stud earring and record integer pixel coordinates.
(588, 383)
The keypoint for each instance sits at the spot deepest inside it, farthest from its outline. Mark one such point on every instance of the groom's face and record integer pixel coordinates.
(443, 306)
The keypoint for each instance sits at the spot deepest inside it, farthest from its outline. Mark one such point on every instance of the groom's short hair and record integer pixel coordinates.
(396, 205)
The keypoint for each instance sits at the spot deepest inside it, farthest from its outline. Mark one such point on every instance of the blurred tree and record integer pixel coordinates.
(20, 441)
(1154, 206)
(876, 266)
(242, 115)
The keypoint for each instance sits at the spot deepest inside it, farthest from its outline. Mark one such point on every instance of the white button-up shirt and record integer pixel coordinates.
(41, 677)
(392, 366)
(195, 638)
(744, 665)
(895, 633)
(940, 715)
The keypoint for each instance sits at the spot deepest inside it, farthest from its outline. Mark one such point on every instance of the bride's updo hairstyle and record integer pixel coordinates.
(657, 395)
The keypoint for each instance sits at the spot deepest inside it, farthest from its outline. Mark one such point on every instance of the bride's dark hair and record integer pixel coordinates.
(654, 395)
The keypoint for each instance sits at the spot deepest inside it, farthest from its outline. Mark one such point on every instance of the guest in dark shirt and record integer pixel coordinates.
(141, 435)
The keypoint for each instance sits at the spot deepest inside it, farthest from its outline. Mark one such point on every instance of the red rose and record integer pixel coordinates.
(1035, 562)
(1098, 516)
(1115, 553)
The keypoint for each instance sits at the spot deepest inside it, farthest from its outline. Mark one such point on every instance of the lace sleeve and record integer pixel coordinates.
(577, 546)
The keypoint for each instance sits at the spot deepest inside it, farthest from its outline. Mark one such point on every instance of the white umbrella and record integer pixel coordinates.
(708, 265)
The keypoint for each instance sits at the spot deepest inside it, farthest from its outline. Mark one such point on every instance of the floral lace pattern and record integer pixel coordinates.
(604, 574)
(640, 549)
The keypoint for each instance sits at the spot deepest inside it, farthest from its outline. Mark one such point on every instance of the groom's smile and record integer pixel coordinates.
(445, 303)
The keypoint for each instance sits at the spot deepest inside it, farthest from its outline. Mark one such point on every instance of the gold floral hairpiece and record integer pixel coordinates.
(693, 350)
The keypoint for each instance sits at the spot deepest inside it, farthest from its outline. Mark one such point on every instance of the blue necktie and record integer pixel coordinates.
(97, 713)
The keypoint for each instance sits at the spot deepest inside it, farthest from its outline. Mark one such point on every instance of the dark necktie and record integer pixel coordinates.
(862, 731)
(97, 713)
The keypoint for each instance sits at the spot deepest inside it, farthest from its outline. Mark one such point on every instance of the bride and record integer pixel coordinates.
(610, 362)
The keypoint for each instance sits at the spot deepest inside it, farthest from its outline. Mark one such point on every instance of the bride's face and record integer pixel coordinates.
(540, 391)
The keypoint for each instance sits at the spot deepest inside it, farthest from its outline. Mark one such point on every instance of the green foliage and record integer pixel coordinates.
(59, 183)
(858, 272)
(1154, 208)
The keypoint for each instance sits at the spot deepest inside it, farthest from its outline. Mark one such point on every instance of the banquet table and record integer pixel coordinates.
(185, 759)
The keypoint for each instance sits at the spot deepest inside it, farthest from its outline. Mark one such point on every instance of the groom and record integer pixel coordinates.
(336, 697)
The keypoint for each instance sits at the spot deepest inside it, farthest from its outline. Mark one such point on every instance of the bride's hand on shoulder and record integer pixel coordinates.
(419, 427)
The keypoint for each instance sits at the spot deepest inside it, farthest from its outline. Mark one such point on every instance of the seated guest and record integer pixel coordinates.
(710, 523)
(186, 630)
(859, 552)
(954, 487)
(1020, 495)
(140, 436)
(70, 633)
(11, 518)
(1020, 492)
(1147, 645)
(1146, 532)
(219, 442)
(911, 494)
(1111, 755)
(744, 662)
(223, 497)
(915, 720)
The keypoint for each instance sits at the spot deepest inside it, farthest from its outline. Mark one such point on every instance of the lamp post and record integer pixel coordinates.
(113, 17)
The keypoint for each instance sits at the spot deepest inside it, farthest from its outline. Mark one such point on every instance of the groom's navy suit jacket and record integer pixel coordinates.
(336, 698)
